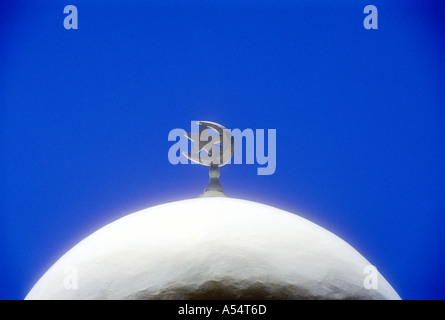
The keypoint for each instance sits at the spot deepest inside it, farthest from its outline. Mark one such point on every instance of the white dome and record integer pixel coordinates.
(211, 248)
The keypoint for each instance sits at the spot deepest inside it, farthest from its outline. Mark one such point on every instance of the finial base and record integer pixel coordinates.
(214, 188)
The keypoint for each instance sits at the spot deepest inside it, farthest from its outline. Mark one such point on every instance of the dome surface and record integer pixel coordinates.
(211, 248)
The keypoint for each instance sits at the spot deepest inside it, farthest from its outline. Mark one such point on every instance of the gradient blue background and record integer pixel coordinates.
(85, 115)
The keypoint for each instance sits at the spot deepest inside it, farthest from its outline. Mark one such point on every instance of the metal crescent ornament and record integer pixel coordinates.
(205, 142)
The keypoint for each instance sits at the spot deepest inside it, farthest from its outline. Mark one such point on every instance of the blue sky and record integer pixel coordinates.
(85, 115)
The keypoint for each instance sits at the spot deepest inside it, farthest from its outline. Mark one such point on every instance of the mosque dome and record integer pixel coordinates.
(211, 248)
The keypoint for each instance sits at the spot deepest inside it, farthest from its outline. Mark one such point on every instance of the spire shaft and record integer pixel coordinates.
(214, 188)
